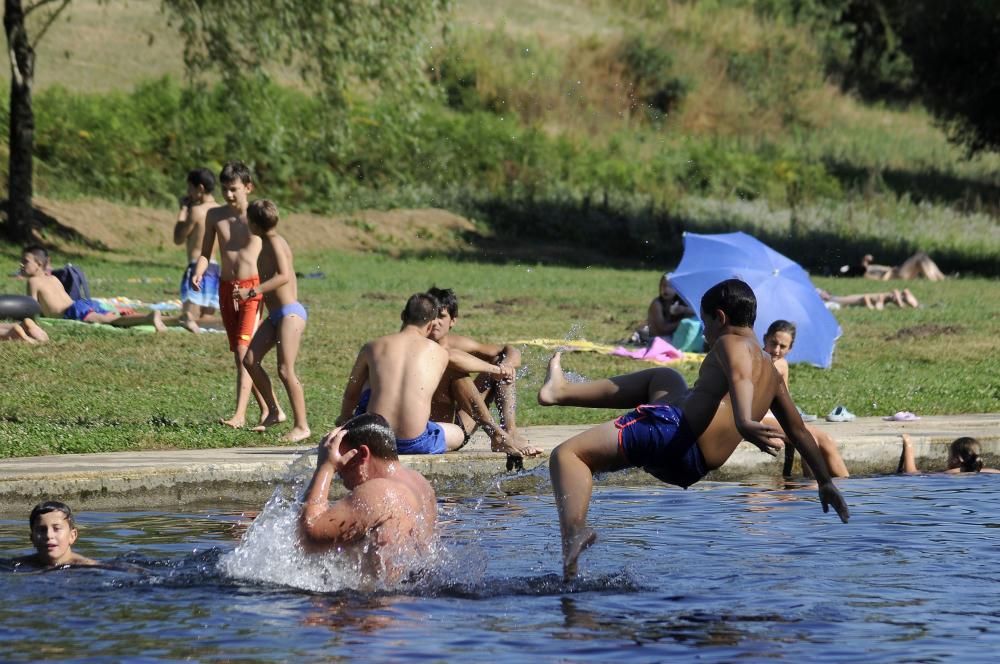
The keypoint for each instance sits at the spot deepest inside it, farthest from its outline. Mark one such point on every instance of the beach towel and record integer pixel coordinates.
(582, 345)
(659, 350)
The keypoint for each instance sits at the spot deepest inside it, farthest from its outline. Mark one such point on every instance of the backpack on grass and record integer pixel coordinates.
(74, 281)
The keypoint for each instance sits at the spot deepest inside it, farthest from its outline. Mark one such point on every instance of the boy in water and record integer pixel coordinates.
(238, 249)
(55, 302)
(465, 401)
(389, 516)
(678, 436)
(283, 326)
(398, 374)
(53, 534)
(190, 231)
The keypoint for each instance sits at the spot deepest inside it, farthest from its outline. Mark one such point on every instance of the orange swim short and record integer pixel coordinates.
(239, 318)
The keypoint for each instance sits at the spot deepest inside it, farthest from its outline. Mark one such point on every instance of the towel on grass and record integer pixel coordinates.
(582, 345)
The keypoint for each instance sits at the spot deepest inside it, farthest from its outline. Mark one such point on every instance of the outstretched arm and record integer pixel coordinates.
(799, 436)
(466, 363)
(355, 385)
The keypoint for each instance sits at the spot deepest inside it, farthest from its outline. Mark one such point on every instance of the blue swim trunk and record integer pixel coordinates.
(431, 441)
(362, 407)
(658, 438)
(286, 310)
(208, 296)
(82, 307)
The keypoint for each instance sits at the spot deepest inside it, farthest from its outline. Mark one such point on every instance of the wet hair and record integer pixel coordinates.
(235, 170)
(735, 298)
(420, 309)
(447, 299)
(50, 506)
(263, 213)
(965, 451)
(202, 177)
(781, 326)
(40, 253)
(372, 430)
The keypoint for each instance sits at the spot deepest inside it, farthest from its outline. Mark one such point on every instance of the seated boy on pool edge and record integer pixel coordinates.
(53, 534)
(666, 438)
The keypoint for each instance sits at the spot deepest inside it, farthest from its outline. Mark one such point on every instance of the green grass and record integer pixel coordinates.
(90, 391)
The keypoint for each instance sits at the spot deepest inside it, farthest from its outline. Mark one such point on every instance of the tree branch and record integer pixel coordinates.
(52, 18)
(38, 5)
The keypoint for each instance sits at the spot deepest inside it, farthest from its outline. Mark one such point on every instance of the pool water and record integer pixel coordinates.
(719, 572)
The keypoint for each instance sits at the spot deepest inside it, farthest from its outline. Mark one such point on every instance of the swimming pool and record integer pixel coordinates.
(721, 571)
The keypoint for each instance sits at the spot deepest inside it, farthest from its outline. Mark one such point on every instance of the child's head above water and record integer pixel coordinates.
(779, 338)
(53, 532)
(964, 454)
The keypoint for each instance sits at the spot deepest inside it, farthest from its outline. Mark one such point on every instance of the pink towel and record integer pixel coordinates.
(658, 351)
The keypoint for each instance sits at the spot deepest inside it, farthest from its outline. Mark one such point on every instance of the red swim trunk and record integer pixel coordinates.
(239, 318)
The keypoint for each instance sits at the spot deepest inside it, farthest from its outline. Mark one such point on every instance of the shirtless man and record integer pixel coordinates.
(679, 435)
(190, 231)
(389, 516)
(465, 401)
(239, 249)
(55, 302)
(402, 372)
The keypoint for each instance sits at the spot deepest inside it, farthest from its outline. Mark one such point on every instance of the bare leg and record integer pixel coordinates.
(919, 265)
(470, 401)
(115, 320)
(290, 331)
(189, 316)
(661, 385)
(910, 298)
(14, 332)
(572, 466)
(244, 387)
(831, 455)
(263, 341)
(34, 331)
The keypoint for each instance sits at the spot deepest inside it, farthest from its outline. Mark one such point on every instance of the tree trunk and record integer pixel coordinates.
(20, 216)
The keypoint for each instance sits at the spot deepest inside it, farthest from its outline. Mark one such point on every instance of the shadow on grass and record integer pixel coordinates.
(931, 186)
(49, 226)
(579, 233)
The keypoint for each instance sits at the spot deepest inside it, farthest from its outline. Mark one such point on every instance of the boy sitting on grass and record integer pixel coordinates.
(53, 534)
(56, 302)
(679, 435)
(284, 325)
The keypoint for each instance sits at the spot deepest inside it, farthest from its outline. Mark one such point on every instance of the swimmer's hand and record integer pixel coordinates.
(768, 439)
(829, 495)
(329, 451)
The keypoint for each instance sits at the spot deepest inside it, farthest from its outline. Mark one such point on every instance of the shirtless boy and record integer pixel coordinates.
(53, 534)
(389, 516)
(190, 231)
(679, 435)
(238, 249)
(467, 402)
(283, 326)
(55, 302)
(402, 372)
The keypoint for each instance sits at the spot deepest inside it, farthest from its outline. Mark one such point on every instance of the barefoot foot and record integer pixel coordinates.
(502, 442)
(296, 434)
(268, 421)
(548, 395)
(573, 546)
(233, 422)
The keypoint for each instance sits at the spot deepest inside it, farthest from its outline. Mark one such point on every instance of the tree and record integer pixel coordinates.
(333, 43)
(21, 49)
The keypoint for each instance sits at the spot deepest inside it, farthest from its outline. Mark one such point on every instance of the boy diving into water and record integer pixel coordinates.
(675, 434)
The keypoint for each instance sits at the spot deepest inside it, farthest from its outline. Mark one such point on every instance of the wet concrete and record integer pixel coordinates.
(123, 480)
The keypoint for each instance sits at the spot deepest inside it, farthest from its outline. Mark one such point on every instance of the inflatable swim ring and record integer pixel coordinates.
(18, 307)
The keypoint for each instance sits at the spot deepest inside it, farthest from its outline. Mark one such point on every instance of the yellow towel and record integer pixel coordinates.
(582, 345)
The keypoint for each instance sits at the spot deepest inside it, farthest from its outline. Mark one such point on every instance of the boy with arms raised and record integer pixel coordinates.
(283, 326)
(473, 398)
(389, 516)
(397, 376)
(679, 435)
(238, 249)
(53, 534)
(190, 231)
(55, 302)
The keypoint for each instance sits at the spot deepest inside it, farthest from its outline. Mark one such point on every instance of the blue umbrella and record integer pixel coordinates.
(782, 287)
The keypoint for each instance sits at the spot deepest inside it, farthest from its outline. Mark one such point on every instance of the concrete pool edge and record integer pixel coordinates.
(172, 477)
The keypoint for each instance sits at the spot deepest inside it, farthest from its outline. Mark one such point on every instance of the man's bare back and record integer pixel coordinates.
(404, 370)
(50, 293)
